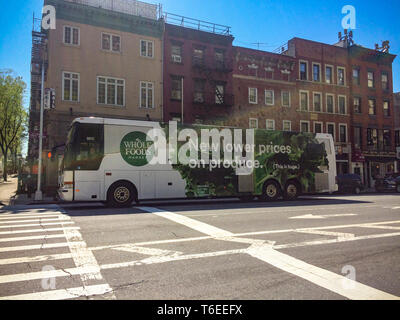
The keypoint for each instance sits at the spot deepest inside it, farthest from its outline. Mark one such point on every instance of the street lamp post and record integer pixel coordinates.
(38, 194)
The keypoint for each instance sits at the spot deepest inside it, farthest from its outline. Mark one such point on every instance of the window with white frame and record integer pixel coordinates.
(253, 123)
(270, 124)
(330, 128)
(70, 86)
(285, 98)
(111, 91)
(330, 103)
(329, 74)
(342, 132)
(287, 125)
(110, 42)
(304, 126)
(318, 127)
(342, 104)
(303, 70)
(146, 95)
(253, 97)
(71, 35)
(147, 48)
(269, 97)
(341, 74)
(317, 98)
(304, 100)
(316, 72)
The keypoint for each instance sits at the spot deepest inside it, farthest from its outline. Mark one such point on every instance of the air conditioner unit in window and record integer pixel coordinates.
(176, 95)
(177, 59)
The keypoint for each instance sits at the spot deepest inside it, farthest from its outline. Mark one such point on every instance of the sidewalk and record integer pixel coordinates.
(8, 190)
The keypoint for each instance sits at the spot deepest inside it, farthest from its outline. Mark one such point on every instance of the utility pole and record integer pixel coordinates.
(182, 105)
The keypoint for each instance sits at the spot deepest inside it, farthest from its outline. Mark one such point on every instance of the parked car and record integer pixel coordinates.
(350, 183)
(390, 183)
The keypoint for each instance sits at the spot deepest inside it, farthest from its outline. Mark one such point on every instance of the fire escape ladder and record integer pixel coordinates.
(210, 78)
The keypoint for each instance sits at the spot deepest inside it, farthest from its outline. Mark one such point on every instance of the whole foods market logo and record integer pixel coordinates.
(135, 149)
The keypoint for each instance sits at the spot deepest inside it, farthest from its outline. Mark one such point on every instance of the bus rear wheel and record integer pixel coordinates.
(121, 195)
(271, 191)
(292, 191)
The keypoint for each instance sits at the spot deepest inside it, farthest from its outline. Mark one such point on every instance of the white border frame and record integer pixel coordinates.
(320, 72)
(345, 104)
(111, 50)
(273, 97)
(250, 102)
(290, 98)
(347, 132)
(344, 76)
(140, 94)
(250, 119)
(105, 102)
(266, 124)
(309, 125)
(79, 86)
(308, 100)
(307, 73)
(334, 130)
(147, 50)
(333, 103)
(72, 36)
(322, 126)
(333, 73)
(283, 125)
(321, 101)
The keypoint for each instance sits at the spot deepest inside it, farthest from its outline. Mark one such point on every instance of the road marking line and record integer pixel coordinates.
(46, 274)
(339, 235)
(36, 224)
(191, 223)
(381, 227)
(26, 215)
(63, 294)
(266, 253)
(41, 237)
(312, 216)
(84, 258)
(169, 258)
(34, 220)
(29, 217)
(38, 230)
(35, 247)
(323, 278)
(36, 259)
(146, 251)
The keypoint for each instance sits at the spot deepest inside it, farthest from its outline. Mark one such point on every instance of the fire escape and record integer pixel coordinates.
(38, 61)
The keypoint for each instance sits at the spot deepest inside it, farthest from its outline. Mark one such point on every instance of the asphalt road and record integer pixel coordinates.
(333, 247)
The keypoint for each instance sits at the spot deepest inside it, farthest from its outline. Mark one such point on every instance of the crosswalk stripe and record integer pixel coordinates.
(35, 247)
(36, 224)
(63, 294)
(33, 220)
(41, 237)
(35, 259)
(41, 215)
(47, 274)
(37, 230)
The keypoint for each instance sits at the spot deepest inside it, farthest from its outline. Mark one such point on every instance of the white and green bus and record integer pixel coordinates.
(121, 161)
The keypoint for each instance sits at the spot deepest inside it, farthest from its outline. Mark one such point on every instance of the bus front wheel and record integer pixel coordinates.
(120, 195)
(271, 191)
(292, 190)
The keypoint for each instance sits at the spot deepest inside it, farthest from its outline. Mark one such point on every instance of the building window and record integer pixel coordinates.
(176, 53)
(176, 90)
(372, 138)
(397, 138)
(70, 86)
(372, 107)
(356, 76)
(146, 95)
(329, 74)
(304, 126)
(330, 128)
(317, 102)
(387, 141)
(269, 97)
(199, 86)
(147, 48)
(343, 133)
(304, 100)
(317, 127)
(270, 124)
(111, 91)
(253, 123)
(198, 56)
(316, 72)
(219, 58)
(303, 70)
(253, 96)
(357, 104)
(386, 108)
(385, 81)
(371, 81)
(71, 35)
(330, 103)
(342, 104)
(287, 125)
(341, 76)
(358, 137)
(111, 42)
(285, 98)
(219, 94)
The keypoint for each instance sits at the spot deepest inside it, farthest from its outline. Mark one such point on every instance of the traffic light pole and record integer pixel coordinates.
(38, 194)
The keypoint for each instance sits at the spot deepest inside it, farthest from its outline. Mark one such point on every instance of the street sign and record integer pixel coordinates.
(49, 99)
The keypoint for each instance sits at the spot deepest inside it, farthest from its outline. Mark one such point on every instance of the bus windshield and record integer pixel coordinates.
(85, 147)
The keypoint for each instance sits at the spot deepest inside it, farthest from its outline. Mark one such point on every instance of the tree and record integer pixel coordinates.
(13, 117)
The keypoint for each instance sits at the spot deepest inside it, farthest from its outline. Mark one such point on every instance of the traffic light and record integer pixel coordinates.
(52, 98)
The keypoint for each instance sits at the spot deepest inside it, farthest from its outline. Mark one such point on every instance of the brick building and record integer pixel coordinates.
(197, 70)
(396, 110)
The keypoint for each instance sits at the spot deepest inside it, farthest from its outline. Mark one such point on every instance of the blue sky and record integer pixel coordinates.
(269, 22)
